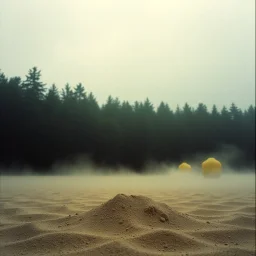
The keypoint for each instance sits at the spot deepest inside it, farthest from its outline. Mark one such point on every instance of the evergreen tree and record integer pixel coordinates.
(33, 86)
(79, 92)
(67, 94)
(53, 94)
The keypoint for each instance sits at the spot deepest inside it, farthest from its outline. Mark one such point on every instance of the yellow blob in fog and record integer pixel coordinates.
(211, 168)
(184, 167)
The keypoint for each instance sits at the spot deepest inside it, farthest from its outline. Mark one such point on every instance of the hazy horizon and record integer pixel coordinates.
(173, 51)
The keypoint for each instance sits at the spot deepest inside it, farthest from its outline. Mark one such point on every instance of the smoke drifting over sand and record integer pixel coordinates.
(128, 181)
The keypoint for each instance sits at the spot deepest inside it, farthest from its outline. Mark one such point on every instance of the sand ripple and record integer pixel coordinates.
(123, 224)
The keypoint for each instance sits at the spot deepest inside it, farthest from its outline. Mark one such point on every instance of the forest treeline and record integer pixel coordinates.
(40, 126)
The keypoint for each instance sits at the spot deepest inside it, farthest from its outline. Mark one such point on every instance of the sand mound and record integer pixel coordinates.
(241, 237)
(51, 244)
(35, 217)
(20, 232)
(129, 214)
(11, 211)
(248, 210)
(167, 240)
(242, 221)
(62, 209)
(116, 248)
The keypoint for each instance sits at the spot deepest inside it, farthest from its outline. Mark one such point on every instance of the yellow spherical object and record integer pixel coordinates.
(185, 167)
(211, 167)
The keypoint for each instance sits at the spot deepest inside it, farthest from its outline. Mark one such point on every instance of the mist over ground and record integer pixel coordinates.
(84, 175)
(228, 155)
(125, 182)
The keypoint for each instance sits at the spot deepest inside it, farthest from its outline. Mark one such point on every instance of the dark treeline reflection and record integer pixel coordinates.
(41, 126)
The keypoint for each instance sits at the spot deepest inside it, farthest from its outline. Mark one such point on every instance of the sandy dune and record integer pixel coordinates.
(127, 216)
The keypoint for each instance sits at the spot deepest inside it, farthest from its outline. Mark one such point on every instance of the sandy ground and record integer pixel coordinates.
(127, 215)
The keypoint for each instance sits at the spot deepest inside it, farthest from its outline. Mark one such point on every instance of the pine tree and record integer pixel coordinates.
(67, 94)
(53, 94)
(215, 112)
(79, 92)
(33, 86)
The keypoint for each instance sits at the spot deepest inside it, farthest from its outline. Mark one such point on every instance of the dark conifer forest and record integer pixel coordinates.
(40, 126)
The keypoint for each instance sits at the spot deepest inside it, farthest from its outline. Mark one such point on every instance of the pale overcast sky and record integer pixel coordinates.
(172, 50)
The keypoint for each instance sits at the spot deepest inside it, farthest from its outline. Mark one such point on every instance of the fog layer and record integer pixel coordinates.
(125, 183)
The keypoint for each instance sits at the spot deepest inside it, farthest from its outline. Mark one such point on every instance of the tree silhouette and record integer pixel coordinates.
(33, 87)
(79, 92)
(41, 127)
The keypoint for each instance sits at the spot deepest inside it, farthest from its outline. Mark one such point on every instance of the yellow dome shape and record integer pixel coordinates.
(185, 167)
(211, 167)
